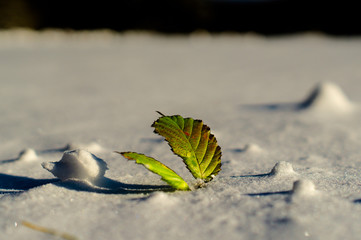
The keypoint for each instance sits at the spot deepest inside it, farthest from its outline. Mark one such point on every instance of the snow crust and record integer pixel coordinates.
(98, 92)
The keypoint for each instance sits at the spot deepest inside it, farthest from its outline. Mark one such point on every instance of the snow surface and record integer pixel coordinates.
(291, 100)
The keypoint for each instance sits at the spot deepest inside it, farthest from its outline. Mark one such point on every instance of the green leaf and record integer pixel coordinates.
(192, 141)
(167, 174)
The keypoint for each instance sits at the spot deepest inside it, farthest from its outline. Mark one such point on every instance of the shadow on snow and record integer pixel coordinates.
(264, 175)
(10, 184)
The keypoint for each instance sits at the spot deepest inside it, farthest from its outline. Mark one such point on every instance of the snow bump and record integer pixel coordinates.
(77, 164)
(327, 97)
(161, 200)
(253, 148)
(28, 155)
(303, 187)
(283, 169)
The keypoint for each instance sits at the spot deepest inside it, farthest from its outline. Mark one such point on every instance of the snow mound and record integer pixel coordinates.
(28, 155)
(161, 200)
(327, 97)
(282, 169)
(303, 188)
(252, 148)
(77, 164)
(92, 147)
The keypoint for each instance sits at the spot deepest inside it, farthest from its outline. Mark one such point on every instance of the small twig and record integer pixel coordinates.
(53, 232)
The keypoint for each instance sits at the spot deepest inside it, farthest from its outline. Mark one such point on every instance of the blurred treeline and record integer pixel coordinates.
(183, 16)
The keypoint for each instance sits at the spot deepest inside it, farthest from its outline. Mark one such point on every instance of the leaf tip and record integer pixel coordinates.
(125, 154)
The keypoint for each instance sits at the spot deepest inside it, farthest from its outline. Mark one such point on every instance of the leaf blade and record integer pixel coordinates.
(192, 141)
(167, 174)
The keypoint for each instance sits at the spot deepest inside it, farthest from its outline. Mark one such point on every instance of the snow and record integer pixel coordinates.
(252, 148)
(282, 169)
(291, 164)
(28, 154)
(77, 164)
(303, 187)
(327, 97)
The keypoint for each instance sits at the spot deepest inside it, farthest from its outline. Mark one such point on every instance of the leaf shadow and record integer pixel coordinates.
(10, 184)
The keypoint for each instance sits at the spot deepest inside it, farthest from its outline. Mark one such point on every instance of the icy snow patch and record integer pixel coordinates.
(327, 98)
(77, 164)
(27, 155)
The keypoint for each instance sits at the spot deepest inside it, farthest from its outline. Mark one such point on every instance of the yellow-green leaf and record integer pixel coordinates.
(192, 141)
(167, 174)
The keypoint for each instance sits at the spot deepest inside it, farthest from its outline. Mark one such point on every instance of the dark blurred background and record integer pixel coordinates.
(185, 16)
